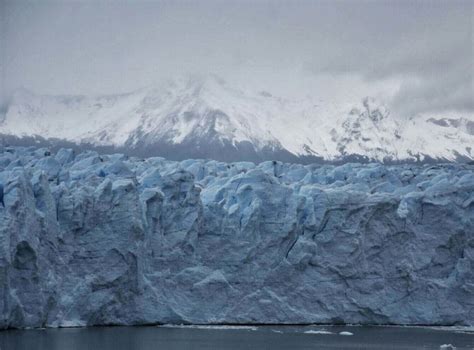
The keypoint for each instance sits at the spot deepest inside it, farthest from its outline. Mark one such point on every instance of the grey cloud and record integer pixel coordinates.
(442, 93)
(92, 47)
(433, 57)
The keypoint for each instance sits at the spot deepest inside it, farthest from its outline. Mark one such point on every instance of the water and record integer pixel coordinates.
(233, 338)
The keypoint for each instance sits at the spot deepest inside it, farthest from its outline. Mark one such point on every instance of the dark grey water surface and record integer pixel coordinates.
(230, 338)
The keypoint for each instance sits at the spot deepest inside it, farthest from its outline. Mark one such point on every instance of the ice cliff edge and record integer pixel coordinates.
(89, 239)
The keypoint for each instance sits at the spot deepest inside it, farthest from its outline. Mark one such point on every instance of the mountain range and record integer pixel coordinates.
(209, 118)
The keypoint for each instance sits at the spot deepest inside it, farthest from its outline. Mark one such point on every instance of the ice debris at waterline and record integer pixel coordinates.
(93, 239)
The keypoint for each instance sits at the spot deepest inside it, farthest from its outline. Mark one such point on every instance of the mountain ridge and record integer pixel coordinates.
(208, 118)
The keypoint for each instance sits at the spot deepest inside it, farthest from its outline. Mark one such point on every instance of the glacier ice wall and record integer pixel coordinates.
(93, 239)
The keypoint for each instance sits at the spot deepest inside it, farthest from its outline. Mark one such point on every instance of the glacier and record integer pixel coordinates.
(95, 239)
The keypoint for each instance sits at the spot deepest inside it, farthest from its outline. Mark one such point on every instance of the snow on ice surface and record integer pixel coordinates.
(197, 107)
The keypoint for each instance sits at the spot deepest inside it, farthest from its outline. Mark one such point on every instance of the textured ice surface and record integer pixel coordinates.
(93, 239)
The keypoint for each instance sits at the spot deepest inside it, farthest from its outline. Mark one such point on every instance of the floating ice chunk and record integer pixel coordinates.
(312, 331)
(211, 327)
(346, 333)
(447, 347)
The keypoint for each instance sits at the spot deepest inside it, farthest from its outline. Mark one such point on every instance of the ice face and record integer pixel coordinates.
(92, 239)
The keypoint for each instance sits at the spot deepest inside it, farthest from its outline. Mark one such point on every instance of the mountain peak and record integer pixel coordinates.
(206, 113)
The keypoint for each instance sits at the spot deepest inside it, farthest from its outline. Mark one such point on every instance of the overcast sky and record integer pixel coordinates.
(418, 55)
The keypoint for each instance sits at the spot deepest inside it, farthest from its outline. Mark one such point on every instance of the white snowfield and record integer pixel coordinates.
(195, 111)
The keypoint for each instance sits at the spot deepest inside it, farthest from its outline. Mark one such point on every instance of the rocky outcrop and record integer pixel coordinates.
(93, 239)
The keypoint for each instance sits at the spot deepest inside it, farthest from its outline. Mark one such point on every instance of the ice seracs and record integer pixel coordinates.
(101, 239)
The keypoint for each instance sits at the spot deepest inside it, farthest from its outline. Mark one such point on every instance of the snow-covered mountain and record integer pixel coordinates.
(208, 118)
